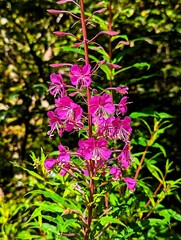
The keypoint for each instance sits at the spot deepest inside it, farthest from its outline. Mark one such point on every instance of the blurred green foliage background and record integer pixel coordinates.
(28, 47)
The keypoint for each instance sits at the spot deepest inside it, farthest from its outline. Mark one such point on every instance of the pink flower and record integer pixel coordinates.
(80, 76)
(66, 117)
(49, 163)
(122, 128)
(62, 160)
(115, 128)
(122, 90)
(125, 157)
(57, 85)
(64, 155)
(94, 149)
(65, 168)
(116, 172)
(54, 121)
(122, 108)
(67, 109)
(130, 182)
(105, 127)
(100, 106)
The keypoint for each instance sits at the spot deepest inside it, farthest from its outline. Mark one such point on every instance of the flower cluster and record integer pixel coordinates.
(110, 125)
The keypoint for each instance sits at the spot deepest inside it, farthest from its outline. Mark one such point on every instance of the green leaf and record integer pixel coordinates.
(123, 36)
(140, 141)
(136, 65)
(107, 71)
(142, 65)
(157, 145)
(119, 56)
(163, 115)
(135, 80)
(26, 235)
(46, 207)
(101, 51)
(165, 213)
(79, 51)
(54, 196)
(51, 228)
(175, 215)
(69, 223)
(32, 173)
(147, 190)
(50, 218)
(155, 171)
(156, 221)
(141, 114)
(107, 219)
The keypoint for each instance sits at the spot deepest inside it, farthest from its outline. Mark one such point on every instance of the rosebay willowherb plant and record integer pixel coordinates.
(104, 130)
(93, 195)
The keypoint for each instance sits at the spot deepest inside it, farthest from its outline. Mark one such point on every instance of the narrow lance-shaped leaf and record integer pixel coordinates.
(108, 219)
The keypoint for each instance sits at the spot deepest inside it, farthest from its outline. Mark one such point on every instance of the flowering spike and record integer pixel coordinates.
(94, 150)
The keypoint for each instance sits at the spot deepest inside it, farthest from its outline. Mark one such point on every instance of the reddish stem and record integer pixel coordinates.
(143, 157)
(110, 43)
(110, 29)
(91, 170)
(84, 32)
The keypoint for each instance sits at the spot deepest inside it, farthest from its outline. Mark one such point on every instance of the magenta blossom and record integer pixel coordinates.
(122, 108)
(65, 167)
(67, 109)
(64, 155)
(57, 124)
(101, 106)
(54, 121)
(105, 127)
(80, 76)
(122, 90)
(122, 128)
(69, 113)
(62, 161)
(115, 128)
(130, 183)
(125, 157)
(94, 149)
(116, 172)
(57, 85)
(49, 163)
